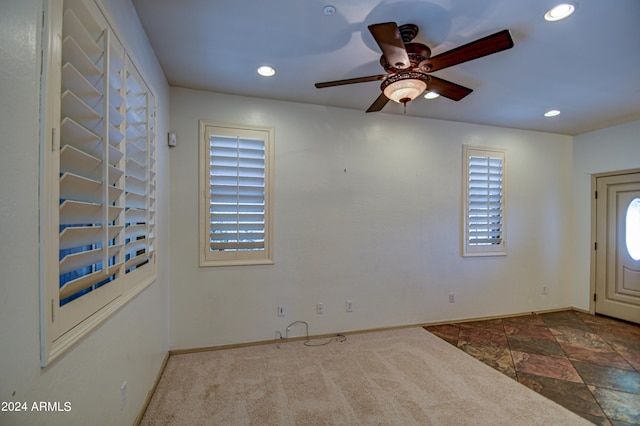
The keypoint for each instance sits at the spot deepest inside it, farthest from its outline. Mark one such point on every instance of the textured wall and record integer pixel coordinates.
(384, 233)
(130, 345)
(606, 150)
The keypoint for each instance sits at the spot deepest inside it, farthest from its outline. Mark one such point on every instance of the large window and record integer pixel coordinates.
(98, 190)
(236, 169)
(484, 216)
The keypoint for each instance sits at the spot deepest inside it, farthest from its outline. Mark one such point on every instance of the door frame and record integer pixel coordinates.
(592, 262)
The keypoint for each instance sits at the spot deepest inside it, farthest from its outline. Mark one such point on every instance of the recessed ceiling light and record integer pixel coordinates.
(431, 95)
(552, 113)
(266, 71)
(561, 11)
(329, 10)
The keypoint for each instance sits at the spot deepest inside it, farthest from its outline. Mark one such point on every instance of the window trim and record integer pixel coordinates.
(472, 250)
(62, 326)
(262, 257)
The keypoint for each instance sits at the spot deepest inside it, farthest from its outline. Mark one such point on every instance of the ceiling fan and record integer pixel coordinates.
(408, 64)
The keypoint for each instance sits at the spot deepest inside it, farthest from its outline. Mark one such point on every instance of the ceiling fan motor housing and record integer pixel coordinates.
(408, 32)
(417, 53)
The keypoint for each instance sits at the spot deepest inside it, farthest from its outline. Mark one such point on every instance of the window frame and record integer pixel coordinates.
(63, 323)
(265, 256)
(467, 248)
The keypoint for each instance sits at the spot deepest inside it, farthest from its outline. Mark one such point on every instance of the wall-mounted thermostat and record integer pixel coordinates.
(172, 139)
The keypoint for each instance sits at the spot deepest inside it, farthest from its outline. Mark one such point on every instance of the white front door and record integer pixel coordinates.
(618, 246)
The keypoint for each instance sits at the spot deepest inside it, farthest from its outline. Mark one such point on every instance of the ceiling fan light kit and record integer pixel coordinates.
(408, 64)
(404, 87)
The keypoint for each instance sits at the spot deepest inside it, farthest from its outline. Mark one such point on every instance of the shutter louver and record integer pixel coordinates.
(485, 201)
(237, 194)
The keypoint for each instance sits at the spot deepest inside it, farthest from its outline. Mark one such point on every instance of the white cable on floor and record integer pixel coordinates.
(278, 336)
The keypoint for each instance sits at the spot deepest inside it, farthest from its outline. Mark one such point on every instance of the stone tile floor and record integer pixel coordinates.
(588, 364)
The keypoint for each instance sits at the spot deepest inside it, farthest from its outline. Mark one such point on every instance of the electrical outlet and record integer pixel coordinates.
(545, 290)
(452, 298)
(349, 306)
(281, 310)
(123, 395)
(320, 308)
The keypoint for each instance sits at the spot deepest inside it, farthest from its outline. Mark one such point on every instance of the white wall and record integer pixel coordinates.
(384, 233)
(131, 345)
(606, 150)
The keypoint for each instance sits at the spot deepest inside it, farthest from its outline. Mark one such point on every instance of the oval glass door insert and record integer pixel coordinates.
(633, 229)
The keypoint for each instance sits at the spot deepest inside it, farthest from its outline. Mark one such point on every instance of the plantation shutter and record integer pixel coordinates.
(484, 215)
(139, 174)
(98, 174)
(91, 153)
(236, 184)
(237, 176)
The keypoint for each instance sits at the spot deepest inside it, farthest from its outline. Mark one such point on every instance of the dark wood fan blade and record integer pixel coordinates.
(351, 81)
(447, 89)
(388, 37)
(379, 103)
(476, 49)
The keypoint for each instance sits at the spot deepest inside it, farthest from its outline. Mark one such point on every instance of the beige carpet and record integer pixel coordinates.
(400, 377)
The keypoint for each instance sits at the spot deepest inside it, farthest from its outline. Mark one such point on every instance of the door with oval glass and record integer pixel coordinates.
(618, 246)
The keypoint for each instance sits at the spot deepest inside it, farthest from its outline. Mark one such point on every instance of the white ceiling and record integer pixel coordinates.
(587, 66)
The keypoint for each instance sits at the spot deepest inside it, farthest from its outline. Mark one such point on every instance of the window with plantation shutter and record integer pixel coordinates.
(484, 202)
(236, 185)
(98, 175)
